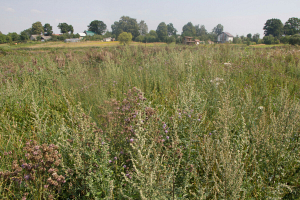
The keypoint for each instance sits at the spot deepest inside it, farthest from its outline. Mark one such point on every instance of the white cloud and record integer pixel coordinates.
(10, 9)
(36, 11)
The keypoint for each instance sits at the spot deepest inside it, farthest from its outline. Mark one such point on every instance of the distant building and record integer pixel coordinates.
(43, 38)
(107, 39)
(188, 40)
(72, 40)
(81, 35)
(89, 33)
(197, 42)
(225, 37)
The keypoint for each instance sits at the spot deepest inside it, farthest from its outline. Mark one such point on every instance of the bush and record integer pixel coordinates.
(269, 39)
(295, 39)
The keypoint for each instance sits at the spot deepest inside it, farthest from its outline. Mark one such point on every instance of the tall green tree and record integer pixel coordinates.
(189, 30)
(171, 29)
(273, 27)
(218, 29)
(143, 28)
(200, 30)
(24, 36)
(97, 26)
(255, 37)
(48, 29)
(249, 36)
(65, 28)
(126, 24)
(37, 28)
(162, 31)
(292, 26)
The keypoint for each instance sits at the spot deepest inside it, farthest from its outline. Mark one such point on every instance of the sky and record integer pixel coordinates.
(239, 17)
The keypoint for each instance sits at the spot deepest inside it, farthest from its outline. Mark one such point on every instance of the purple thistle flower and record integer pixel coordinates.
(121, 152)
(131, 140)
(110, 161)
(167, 137)
(124, 166)
(166, 131)
(115, 158)
(164, 125)
(134, 116)
(209, 133)
(127, 175)
(26, 177)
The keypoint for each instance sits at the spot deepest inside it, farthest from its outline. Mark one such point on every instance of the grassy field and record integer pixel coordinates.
(160, 122)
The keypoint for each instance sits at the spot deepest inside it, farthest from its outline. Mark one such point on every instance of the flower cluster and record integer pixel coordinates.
(40, 164)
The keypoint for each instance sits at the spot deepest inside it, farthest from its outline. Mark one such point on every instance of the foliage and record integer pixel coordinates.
(126, 24)
(48, 29)
(24, 36)
(292, 26)
(171, 30)
(125, 38)
(161, 31)
(294, 39)
(189, 30)
(14, 36)
(273, 27)
(218, 29)
(202, 125)
(65, 28)
(143, 28)
(37, 28)
(97, 26)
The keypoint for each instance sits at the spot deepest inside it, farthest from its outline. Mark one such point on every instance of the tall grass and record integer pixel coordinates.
(174, 122)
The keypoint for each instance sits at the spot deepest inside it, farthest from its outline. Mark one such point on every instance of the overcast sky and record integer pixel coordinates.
(239, 17)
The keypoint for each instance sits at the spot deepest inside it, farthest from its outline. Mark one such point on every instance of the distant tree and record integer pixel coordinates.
(37, 28)
(153, 33)
(292, 26)
(218, 29)
(249, 36)
(125, 38)
(143, 28)
(171, 29)
(97, 26)
(0, 32)
(200, 30)
(8, 39)
(237, 40)
(255, 37)
(126, 24)
(294, 39)
(273, 27)
(65, 28)
(2, 38)
(48, 29)
(140, 38)
(162, 31)
(14, 36)
(189, 30)
(269, 39)
(24, 36)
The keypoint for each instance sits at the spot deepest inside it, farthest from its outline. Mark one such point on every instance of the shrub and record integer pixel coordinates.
(294, 39)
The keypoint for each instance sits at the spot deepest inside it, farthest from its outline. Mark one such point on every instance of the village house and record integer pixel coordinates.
(43, 38)
(188, 40)
(89, 33)
(81, 35)
(225, 37)
(72, 40)
(107, 39)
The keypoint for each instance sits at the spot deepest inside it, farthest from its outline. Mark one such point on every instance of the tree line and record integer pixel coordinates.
(275, 32)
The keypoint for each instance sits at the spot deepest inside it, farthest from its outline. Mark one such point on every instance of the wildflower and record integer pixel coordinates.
(46, 186)
(27, 177)
(260, 107)
(110, 161)
(121, 152)
(124, 166)
(162, 140)
(164, 125)
(166, 131)
(115, 158)
(209, 133)
(189, 115)
(134, 116)
(199, 120)
(131, 140)
(167, 137)
(227, 64)
(102, 143)
(127, 175)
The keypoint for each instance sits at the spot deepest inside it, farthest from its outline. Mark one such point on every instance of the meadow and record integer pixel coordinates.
(155, 122)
